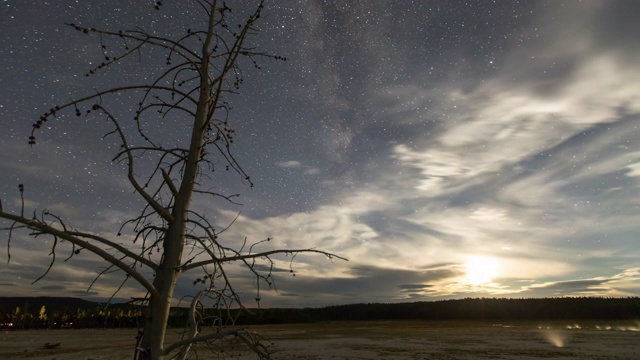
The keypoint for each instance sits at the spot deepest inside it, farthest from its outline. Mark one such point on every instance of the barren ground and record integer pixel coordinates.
(393, 340)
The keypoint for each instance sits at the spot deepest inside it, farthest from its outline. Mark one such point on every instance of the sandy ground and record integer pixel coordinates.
(365, 340)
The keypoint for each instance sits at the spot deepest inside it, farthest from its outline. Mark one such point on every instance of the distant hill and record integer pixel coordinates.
(51, 303)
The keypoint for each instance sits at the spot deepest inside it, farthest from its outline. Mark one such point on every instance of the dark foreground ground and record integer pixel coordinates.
(393, 340)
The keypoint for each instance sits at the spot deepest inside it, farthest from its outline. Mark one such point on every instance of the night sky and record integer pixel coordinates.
(448, 149)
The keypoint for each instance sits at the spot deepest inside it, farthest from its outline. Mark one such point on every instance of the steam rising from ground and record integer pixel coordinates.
(559, 337)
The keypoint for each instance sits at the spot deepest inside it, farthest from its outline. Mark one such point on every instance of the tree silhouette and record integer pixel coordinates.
(169, 237)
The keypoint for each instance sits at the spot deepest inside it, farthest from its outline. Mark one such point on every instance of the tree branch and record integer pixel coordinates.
(241, 334)
(47, 229)
(190, 266)
(163, 212)
(116, 246)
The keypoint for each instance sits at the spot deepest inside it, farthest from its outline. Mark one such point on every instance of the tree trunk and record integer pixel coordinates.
(157, 314)
(152, 345)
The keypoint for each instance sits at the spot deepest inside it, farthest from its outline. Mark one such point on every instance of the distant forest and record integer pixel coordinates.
(49, 312)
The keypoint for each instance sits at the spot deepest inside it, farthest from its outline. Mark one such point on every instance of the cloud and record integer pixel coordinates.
(414, 289)
(620, 284)
(365, 283)
(53, 287)
(290, 164)
(633, 169)
(294, 164)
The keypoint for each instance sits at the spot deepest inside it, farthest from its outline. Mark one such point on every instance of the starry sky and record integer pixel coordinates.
(448, 149)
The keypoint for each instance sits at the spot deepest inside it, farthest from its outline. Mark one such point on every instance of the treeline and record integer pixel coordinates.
(577, 308)
(24, 313)
(43, 313)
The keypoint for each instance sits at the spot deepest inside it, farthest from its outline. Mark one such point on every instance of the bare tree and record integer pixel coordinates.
(170, 238)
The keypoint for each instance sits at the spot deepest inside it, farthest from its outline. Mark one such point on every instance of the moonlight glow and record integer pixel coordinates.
(481, 270)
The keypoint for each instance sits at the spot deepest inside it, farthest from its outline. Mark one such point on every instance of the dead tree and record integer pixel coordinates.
(169, 237)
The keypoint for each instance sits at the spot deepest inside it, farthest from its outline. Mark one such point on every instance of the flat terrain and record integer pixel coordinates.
(394, 340)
